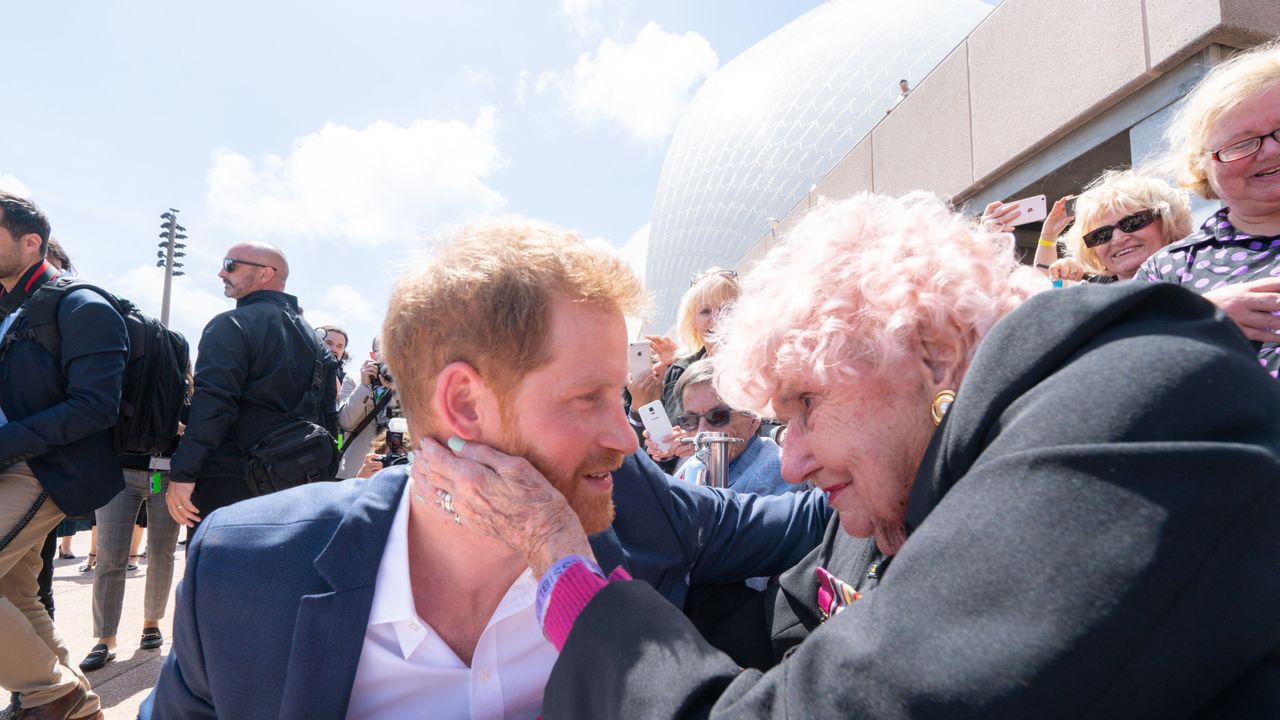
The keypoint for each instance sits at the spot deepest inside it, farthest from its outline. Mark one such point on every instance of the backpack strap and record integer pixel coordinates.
(41, 311)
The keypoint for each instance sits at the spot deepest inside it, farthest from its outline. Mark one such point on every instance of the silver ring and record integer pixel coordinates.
(446, 501)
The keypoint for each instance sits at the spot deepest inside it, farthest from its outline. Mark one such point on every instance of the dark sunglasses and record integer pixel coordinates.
(229, 264)
(717, 417)
(1127, 224)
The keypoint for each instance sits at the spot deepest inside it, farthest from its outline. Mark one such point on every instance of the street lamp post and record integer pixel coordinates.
(171, 249)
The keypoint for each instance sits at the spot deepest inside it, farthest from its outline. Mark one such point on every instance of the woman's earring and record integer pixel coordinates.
(941, 404)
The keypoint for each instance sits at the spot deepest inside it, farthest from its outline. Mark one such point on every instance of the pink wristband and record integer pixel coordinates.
(572, 591)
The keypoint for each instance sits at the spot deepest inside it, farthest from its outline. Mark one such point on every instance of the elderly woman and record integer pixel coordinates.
(1225, 142)
(1061, 523)
(1122, 219)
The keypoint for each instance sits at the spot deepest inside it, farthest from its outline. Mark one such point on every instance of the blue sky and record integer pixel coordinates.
(348, 134)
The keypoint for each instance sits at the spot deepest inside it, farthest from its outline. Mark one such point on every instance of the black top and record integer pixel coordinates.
(255, 362)
(1092, 534)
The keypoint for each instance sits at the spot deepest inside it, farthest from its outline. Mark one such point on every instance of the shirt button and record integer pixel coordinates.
(484, 676)
(416, 627)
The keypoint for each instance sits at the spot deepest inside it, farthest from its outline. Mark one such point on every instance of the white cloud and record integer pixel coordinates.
(522, 86)
(342, 305)
(643, 87)
(581, 14)
(477, 77)
(381, 184)
(11, 184)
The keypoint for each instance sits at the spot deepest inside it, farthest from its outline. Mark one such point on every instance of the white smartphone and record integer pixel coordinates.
(638, 362)
(655, 420)
(1033, 210)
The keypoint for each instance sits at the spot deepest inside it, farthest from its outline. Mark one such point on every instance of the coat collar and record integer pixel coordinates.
(328, 634)
(1022, 349)
(271, 296)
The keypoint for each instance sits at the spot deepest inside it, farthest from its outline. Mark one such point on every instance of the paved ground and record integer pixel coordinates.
(125, 682)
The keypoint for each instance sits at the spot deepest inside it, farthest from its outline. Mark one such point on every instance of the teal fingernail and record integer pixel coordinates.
(456, 443)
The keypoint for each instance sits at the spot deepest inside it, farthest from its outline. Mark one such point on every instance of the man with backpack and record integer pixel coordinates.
(263, 416)
(57, 455)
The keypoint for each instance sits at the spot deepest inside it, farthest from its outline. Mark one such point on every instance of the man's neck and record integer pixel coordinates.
(457, 577)
(442, 550)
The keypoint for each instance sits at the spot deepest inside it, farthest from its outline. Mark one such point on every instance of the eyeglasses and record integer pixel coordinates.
(1244, 148)
(1128, 223)
(229, 264)
(716, 417)
(726, 274)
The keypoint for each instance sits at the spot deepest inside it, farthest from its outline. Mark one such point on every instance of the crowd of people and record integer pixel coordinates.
(949, 489)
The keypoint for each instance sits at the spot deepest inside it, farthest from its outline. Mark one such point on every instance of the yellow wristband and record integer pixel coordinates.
(1047, 243)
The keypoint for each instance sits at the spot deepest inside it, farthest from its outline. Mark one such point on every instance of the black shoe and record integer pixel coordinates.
(97, 658)
(151, 639)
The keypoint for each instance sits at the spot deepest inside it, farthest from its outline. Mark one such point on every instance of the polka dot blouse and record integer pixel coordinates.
(1216, 255)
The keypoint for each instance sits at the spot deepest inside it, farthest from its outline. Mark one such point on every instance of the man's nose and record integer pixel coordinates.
(617, 434)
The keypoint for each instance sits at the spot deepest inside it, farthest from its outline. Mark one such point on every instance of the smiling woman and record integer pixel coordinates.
(1225, 139)
(1124, 217)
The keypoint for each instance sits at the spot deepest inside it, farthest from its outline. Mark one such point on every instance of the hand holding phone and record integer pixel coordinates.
(1032, 209)
(656, 422)
(638, 362)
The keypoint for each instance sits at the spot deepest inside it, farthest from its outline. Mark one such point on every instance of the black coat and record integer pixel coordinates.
(255, 363)
(1093, 533)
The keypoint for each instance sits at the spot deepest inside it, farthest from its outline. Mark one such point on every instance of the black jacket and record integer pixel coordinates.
(60, 417)
(1092, 533)
(255, 362)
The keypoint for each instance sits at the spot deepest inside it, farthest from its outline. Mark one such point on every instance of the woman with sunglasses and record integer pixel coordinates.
(1225, 143)
(1122, 219)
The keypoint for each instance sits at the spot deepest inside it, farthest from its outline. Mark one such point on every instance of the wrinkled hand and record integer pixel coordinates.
(178, 499)
(999, 216)
(505, 498)
(663, 348)
(1253, 305)
(1067, 268)
(678, 449)
(1056, 221)
(645, 389)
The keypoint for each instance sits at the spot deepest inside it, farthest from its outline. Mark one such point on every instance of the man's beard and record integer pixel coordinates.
(594, 510)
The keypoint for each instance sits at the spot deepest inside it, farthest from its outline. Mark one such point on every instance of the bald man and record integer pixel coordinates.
(255, 367)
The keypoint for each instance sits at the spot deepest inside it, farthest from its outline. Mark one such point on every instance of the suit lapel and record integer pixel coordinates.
(329, 631)
(608, 550)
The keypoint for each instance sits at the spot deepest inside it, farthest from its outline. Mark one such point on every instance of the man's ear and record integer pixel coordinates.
(462, 401)
(31, 241)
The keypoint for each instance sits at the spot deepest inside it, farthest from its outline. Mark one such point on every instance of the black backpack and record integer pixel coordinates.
(155, 376)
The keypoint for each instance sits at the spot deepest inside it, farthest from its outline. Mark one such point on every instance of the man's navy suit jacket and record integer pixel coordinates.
(272, 612)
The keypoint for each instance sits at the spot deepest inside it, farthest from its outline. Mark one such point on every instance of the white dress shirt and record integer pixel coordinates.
(407, 671)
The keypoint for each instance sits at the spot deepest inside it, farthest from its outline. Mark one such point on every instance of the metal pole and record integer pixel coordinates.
(168, 268)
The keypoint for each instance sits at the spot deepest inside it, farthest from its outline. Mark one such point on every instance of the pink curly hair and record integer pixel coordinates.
(861, 284)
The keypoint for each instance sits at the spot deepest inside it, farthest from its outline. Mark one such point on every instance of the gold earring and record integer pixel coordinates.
(941, 404)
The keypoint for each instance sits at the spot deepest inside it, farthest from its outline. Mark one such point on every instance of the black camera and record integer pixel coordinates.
(391, 459)
(383, 377)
